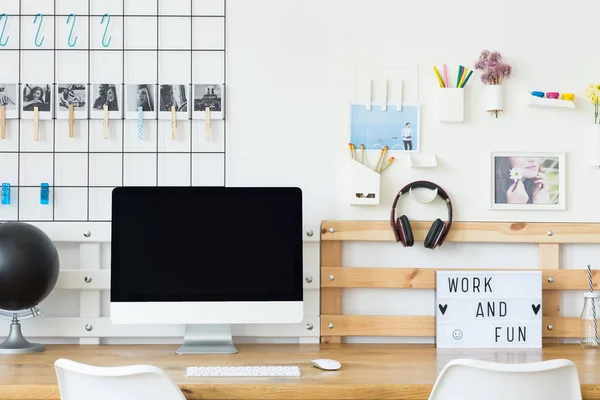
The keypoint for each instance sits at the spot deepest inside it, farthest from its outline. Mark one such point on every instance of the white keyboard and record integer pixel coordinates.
(235, 371)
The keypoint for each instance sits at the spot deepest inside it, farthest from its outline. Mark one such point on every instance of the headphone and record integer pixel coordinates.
(439, 229)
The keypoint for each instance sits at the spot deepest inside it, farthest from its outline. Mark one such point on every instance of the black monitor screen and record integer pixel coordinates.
(173, 244)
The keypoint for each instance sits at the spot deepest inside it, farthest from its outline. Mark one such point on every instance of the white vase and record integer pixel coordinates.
(493, 98)
(595, 140)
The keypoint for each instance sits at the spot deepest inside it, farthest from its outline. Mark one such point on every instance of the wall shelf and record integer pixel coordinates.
(542, 102)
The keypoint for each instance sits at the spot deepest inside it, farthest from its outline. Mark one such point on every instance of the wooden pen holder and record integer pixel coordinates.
(365, 185)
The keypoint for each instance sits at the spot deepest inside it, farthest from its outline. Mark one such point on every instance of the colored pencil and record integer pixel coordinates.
(445, 76)
(439, 78)
(460, 67)
(466, 79)
(464, 75)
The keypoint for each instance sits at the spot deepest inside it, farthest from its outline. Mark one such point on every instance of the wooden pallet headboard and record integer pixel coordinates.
(334, 278)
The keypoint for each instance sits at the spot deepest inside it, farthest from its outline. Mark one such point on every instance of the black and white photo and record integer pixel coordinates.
(108, 94)
(208, 96)
(9, 99)
(172, 95)
(141, 96)
(74, 94)
(37, 95)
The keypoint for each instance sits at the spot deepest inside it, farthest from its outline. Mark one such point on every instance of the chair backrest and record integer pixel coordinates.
(468, 379)
(78, 381)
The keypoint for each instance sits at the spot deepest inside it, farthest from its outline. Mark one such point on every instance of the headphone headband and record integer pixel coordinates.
(425, 185)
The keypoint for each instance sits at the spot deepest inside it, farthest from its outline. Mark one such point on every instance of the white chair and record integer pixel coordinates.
(467, 379)
(78, 381)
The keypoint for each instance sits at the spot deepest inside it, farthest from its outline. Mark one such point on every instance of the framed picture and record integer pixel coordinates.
(208, 96)
(9, 98)
(375, 128)
(109, 94)
(37, 95)
(170, 95)
(71, 93)
(528, 181)
(141, 95)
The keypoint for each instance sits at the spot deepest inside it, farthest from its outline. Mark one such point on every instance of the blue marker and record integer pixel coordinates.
(6, 193)
(45, 194)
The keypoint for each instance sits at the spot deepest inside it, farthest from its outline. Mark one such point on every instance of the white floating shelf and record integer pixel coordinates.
(539, 102)
(423, 160)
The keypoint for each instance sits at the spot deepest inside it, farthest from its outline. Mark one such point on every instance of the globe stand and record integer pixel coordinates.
(15, 342)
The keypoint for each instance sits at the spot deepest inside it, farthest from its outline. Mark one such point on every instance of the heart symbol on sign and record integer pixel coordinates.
(535, 308)
(443, 308)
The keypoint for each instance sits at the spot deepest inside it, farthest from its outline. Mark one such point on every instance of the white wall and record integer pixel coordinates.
(297, 59)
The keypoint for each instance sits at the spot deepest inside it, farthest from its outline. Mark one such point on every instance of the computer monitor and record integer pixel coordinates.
(206, 257)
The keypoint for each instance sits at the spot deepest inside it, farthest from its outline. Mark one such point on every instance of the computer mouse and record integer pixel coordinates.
(326, 364)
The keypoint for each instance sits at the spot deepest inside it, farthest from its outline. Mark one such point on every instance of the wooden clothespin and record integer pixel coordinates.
(36, 124)
(3, 122)
(207, 124)
(71, 121)
(106, 121)
(174, 123)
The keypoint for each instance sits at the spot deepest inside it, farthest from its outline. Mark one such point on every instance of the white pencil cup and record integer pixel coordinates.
(493, 98)
(365, 185)
(451, 104)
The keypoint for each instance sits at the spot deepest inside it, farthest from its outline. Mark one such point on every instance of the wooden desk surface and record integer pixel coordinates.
(368, 371)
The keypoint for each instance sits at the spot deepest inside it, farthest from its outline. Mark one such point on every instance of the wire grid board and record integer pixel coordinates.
(124, 54)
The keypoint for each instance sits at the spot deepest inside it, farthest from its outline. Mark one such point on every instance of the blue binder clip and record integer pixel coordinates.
(45, 194)
(6, 193)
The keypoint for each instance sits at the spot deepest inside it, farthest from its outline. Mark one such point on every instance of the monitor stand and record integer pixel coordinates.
(207, 339)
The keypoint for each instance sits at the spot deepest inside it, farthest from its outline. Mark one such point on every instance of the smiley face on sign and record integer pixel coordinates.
(457, 334)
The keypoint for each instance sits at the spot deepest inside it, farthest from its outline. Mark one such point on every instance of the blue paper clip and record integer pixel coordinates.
(45, 194)
(6, 193)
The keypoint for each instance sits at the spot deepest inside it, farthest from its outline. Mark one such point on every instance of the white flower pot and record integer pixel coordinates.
(493, 98)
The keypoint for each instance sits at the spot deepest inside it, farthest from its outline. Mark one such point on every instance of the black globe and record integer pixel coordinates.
(29, 266)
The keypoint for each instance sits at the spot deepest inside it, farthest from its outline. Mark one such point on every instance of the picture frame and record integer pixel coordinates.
(9, 97)
(106, 93)
(140, 94)
(72, 93)
(40, 95)
(174, 94)
(528, 181)
(377, 128)
(208, 95)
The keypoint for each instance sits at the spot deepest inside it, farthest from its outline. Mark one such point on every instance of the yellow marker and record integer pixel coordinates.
(438, 76)
(391, 160)
(464, 75)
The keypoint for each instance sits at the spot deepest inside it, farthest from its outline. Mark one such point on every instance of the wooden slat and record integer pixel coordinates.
(562, 327)
(375, 325)
(473, 232)
(422, 326)
(424, 278)
(331, 298)
(549, 258)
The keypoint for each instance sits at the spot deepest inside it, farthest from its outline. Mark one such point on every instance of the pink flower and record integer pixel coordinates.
(494, 70)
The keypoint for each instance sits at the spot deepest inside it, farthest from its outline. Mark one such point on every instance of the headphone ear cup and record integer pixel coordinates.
(434, 234)
(401, 234)
(406, 229)
(398, 231)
